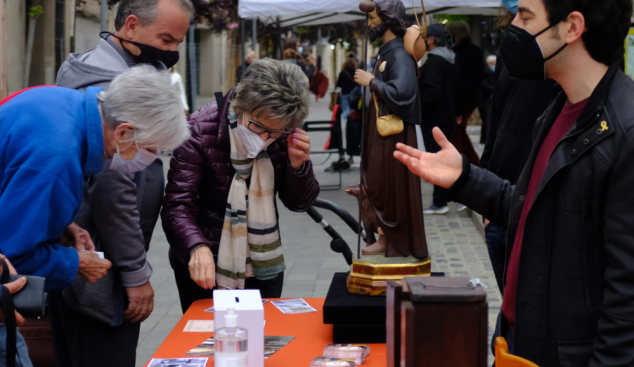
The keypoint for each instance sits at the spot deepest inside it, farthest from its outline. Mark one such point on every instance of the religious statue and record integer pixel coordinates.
(390, 195)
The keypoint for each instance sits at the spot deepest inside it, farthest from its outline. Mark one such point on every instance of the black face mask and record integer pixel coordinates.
(158, 58)
(522, 54)
(377, 31)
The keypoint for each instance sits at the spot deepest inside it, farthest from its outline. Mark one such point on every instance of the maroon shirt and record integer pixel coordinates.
(562, 125)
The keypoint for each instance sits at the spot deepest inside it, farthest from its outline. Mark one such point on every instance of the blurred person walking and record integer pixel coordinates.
(251, 56)
(438, 85)
(471, 74)
(346, 82)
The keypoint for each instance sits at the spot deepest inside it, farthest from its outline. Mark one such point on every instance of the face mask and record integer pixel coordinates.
(510, 5)
(377, 31)
(252, 142)
(158, 58)
(522, 54)
(139, 162)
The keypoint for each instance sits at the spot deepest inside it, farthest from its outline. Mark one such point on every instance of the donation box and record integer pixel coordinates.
(436, 321)
(248, 307)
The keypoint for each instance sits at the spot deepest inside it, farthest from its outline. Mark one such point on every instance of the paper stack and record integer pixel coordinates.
(357, 352)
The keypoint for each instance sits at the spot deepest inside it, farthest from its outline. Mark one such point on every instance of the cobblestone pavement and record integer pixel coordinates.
(456, 247)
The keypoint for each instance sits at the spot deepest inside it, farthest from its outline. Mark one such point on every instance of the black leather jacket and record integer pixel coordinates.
(575, 293)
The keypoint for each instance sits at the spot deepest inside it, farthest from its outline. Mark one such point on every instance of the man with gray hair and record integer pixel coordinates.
(120, 209)
(45, 155)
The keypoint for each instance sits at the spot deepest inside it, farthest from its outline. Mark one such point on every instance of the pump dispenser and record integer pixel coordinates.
(231, 343)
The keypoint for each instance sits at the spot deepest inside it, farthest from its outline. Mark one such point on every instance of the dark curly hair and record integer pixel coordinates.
(607, 24)
(392, 13)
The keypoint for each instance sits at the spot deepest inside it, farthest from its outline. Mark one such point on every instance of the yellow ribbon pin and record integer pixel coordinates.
(604, 125)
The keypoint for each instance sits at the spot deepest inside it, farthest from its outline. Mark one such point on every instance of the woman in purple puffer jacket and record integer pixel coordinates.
(219, 211)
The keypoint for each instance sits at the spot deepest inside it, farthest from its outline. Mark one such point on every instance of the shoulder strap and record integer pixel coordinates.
(219, 98)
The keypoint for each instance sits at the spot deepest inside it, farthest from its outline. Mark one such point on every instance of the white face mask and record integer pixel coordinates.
(252, 142)
(139, 162)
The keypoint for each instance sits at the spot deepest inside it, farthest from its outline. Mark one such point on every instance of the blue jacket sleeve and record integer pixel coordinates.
(36, 208)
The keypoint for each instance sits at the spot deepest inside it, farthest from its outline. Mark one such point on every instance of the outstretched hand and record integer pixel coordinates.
(441, 169)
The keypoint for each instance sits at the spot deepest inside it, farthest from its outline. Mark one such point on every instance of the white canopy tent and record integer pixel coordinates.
(311, 12)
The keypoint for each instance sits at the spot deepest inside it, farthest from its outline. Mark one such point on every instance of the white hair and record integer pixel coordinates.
(492, 58)
(145, 98)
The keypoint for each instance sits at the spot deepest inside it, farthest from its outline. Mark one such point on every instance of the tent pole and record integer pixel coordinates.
(363, 112)
(243, 36)
(255, 34)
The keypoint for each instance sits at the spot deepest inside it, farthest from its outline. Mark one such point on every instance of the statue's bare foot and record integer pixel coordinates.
(377, 248)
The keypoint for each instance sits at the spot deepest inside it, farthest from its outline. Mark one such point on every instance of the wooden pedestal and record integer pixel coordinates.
(436, 321)
(370, 274)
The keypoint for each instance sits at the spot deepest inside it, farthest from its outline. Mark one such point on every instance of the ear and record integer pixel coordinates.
(124, 133)
(575, 27)
(132, 26)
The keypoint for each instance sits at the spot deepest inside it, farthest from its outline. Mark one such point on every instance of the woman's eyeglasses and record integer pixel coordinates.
(258, 128)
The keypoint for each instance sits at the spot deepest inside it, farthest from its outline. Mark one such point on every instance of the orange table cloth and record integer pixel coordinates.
(311, 336)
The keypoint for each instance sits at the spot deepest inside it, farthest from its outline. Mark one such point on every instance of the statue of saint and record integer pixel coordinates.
(390, 195)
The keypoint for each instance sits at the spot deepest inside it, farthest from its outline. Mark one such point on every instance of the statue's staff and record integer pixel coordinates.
(366, 6)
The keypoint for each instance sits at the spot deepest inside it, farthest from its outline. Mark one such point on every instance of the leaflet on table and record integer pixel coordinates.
(293, 306)
(201, 326)
(178, 362)
(211, 309)
(271, 345)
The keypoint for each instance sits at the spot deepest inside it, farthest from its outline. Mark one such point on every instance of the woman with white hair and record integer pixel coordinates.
(243, 151)
(50, 137)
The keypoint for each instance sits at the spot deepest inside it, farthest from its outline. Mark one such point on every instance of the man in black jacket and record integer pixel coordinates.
(437, 85)
(569, 287)
(517, 104)
(471, 74)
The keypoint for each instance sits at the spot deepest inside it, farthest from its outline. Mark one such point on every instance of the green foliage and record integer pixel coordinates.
(36, 11)
(448, 18)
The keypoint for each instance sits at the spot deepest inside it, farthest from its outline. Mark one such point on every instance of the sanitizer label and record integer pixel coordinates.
(230, 360)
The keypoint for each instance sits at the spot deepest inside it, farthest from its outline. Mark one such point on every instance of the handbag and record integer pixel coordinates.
(30, 301)
(389, 124)
(334, 96)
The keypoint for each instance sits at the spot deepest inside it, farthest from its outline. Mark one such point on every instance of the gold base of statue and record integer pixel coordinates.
(369, 275)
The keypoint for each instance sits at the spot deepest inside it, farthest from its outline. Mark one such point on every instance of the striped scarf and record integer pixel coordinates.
(250, 242)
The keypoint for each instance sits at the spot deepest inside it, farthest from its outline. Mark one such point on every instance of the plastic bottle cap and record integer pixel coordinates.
(231, 319)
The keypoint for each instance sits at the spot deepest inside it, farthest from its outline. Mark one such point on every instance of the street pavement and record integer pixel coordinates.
(455, 244)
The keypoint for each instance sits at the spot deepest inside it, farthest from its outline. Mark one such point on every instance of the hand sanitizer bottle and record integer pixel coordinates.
(230, 343)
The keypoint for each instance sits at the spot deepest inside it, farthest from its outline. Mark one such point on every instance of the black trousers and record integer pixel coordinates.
(190, 292)
(79, 340)
(440, 193)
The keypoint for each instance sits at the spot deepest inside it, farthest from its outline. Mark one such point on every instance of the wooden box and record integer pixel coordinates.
(436, 321)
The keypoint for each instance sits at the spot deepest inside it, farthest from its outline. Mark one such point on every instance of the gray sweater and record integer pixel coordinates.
(119, 210)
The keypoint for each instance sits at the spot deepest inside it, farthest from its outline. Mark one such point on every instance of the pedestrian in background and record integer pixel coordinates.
(120, 206)
(438, 85)
(211, 177)
(471, 73)
(248, 60)
(177, 83)
(347, 84)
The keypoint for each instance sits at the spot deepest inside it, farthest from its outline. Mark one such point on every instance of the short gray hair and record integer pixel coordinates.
(273, 88)
(145, 10)
(459, 28)
(144, 97)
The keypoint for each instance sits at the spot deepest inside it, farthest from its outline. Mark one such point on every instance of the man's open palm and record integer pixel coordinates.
(441, 169)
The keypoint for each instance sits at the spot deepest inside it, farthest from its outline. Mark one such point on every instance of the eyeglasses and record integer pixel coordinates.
(259, 129)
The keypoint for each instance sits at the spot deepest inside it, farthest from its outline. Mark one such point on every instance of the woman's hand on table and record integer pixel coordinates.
(298, 148)
(202, 268)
